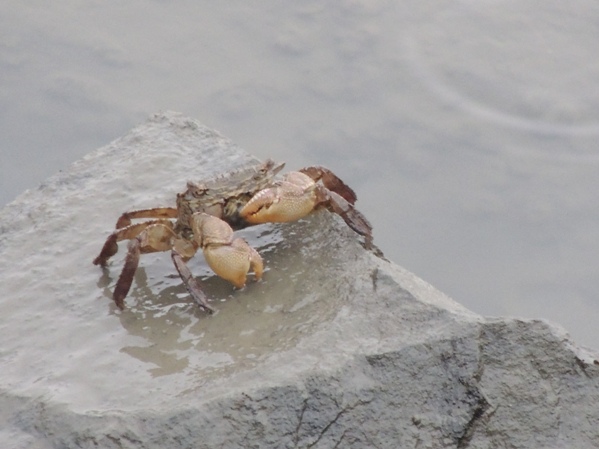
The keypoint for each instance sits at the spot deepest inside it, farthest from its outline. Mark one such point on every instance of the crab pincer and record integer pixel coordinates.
(298, 194)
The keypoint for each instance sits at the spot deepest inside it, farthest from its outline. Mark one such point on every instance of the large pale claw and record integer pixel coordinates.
(233, 262)
(282, 203)
(230, 258)
(260, 208)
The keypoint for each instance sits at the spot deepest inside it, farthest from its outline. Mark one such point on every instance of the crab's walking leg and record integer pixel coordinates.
(110, 247)
(331, 181)
(157, 212)
(191, 283)
(126, 277)
(352, 216)
(155, 237)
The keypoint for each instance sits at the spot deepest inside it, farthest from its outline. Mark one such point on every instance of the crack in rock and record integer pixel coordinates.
(474, 389)
(343, 411)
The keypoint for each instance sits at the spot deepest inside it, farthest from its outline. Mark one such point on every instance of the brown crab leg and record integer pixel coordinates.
(110, 247)
(156, 212)
(331, 181)
(155, 237)
(191, 283)
(123, 285)
(352, 216)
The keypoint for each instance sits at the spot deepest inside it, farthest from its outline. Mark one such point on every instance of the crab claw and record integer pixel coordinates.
(288, 200)
(230, 258)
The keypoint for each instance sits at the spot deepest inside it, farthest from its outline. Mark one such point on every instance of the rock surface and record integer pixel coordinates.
(335, 348)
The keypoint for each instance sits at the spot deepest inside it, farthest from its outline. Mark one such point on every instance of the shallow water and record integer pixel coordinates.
(65, 342)
(250, 324)
(469, 130)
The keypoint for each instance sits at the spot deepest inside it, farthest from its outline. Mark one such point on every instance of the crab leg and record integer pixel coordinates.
(156, 212)
(191, 283)
(155, 237)
(110, 247)
(352, 216)
(123, 285)
(331, 181)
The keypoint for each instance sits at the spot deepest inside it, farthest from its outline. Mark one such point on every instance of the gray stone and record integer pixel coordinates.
(336, 347)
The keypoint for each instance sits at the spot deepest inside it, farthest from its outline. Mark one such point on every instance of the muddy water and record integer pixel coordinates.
(469, 129)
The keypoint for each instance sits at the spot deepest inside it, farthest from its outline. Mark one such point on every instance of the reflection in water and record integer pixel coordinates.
(250, 324)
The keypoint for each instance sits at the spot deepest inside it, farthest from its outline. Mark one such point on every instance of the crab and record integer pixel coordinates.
(207, 214)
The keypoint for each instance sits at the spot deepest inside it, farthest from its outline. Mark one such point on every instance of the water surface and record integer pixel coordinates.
(469, 130)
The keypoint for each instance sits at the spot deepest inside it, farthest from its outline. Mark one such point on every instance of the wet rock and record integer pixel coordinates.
(336, 347)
